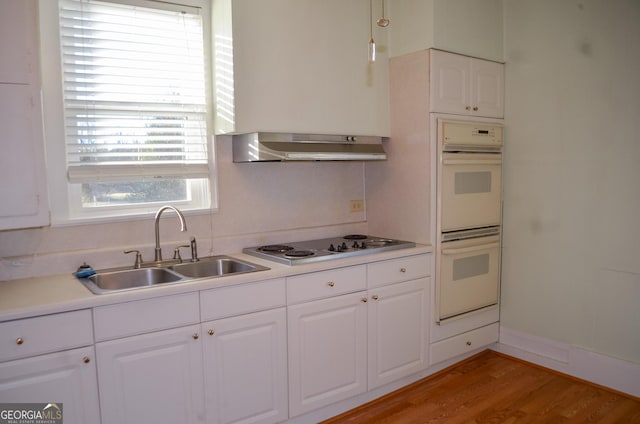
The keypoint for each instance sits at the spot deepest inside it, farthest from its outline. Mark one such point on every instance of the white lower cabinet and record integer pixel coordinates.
(50, 359)
(327, 351)
(152, 378)
(397, 331)
(345, 344)
(67, 378)
(245, 368)
(249, 353)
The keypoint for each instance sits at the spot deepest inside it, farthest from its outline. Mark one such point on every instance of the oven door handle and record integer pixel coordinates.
(446, 161)
(454, 251)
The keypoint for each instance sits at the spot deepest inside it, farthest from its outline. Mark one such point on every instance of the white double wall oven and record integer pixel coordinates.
(469, 215)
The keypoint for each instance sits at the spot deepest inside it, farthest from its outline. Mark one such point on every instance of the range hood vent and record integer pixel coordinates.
(269, 146)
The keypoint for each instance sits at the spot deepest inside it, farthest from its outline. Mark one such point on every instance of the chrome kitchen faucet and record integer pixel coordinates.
(183, 228)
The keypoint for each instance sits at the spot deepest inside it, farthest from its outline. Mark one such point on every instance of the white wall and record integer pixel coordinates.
(411, 27)
(571, 265)
(470, 27)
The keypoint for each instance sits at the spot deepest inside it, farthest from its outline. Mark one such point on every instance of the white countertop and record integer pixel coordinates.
(60, 293)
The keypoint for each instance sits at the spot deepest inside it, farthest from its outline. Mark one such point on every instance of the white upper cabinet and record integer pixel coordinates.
(298, 67)
(464, 85)
(18, 44)
(22, 166)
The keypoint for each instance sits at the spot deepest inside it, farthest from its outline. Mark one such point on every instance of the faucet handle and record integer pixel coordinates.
(138, 261)
(194, 250)
(176, 252)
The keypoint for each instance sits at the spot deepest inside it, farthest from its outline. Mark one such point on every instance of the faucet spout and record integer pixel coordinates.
(183, 228)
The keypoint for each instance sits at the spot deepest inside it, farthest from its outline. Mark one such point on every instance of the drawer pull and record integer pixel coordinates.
(86, 360)
(375, 297)
(19, 340)
(363, 300)
(331, 284)
(195, 336)
(468, 343)
(403, 269)
(211, 332)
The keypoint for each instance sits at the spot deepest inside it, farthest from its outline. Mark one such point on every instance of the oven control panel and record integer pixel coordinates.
(459, 134)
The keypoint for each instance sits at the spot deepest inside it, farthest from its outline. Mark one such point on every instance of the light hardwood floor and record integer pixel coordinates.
(495, 388)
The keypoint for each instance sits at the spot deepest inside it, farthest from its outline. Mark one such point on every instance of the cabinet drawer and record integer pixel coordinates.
(50, 333)
(397, 270)
(463, 343)
(317, 285)
(237, 300)
(143, 316)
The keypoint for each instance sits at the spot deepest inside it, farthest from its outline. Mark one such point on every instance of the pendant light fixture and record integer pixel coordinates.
(372, 43)
(383, 22)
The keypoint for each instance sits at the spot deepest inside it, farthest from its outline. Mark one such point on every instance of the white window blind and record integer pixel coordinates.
(134, 91)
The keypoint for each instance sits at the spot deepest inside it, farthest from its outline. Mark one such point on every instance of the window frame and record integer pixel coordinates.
(64, 196)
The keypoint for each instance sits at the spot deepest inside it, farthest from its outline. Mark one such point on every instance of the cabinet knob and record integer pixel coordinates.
(467, 108)
(86, 359)
(331, 284)
(375, 297)
(468, 343)
(403, 269)
(475, 108)
(211, 332)
(363, 300)
(19, 340)
(195, 336)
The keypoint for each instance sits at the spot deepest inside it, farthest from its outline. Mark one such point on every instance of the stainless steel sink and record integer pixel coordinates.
(118, 279)
(215, 266)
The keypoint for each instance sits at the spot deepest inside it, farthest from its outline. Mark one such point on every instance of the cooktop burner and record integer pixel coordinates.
(299, 253)
(355, 237)
(324, 249)
(277, 248)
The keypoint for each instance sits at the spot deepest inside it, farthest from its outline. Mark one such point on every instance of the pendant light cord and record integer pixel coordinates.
(372, 43)
(371, 19)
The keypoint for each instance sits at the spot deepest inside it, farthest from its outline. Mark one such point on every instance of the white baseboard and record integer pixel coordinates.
(617, 374)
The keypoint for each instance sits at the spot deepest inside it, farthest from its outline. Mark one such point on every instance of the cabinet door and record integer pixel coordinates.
(245, 363)
(450, 83)
(18, 44)
(67, 377)
(152, 378)
(23, 189)
(397, 331)
(327, 351)
(487, 84)
(466, 86)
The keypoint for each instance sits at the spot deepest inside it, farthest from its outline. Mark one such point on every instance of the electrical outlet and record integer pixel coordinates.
(356, 205)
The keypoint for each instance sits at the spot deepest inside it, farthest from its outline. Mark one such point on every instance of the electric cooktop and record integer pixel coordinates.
(303, 252)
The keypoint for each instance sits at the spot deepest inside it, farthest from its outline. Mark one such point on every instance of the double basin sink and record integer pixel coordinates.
(115, 280)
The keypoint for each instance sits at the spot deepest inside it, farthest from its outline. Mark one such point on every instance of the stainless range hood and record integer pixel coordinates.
(270, 146)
